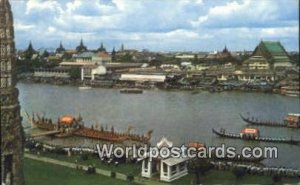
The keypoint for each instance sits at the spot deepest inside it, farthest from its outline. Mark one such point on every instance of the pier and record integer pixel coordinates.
(48, 133)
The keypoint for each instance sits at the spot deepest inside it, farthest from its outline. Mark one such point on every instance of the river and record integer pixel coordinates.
(178, 115)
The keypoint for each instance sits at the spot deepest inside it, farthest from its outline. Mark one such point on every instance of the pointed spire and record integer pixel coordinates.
(81, 42)
(113, 54)
(102, 48)
(29, 51)
(81, 47)
(60, 48)
(30, 46)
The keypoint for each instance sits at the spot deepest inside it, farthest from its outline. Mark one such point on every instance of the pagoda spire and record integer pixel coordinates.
(12, 135)
(61, 48)
(102, 48)
(81, 47)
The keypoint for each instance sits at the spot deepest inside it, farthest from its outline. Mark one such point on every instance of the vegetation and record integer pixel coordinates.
(199, 166)
(127, 58)
(74, 73)
(37, 173)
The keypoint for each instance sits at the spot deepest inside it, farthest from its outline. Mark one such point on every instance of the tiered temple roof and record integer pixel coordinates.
(274, 52)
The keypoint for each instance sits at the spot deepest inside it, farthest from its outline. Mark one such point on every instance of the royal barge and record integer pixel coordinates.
(69, 125)
(291, 121)
(253, 134)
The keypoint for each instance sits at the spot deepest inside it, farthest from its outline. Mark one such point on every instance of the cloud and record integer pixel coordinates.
(166, 25)
(249, 13)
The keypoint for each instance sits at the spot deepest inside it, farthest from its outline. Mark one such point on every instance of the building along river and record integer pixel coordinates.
(179, 115)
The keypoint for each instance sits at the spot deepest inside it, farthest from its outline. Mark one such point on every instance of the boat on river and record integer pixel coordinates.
(254, 135)
(131, 91)
(84, 87)
(69, 125)
(291, 121)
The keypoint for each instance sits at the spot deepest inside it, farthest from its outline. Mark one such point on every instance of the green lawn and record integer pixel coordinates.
(228, 178)
(67, 177)
(127, 169)
(40, 173)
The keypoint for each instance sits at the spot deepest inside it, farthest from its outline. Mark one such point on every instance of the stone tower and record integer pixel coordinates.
(11, 128)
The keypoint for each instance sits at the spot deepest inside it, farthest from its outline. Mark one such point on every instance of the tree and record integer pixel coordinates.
(199, 166)
(75, 73)
(126, 58)
(156, 63)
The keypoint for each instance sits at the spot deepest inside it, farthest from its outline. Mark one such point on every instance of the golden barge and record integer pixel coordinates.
(69, 125)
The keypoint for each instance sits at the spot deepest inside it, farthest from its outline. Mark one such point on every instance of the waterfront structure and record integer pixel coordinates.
(100, 57)
(256, 63)
(11, 128)
(274, 53)
(57, 72)
(169, 169)
(143, 78)
(91, 71)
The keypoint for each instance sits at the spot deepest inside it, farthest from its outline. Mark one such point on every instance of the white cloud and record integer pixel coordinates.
(23, 27)
(41, 5)
(240, 13)
(158, 24)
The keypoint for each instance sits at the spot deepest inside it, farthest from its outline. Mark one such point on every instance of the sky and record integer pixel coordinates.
(156, 25)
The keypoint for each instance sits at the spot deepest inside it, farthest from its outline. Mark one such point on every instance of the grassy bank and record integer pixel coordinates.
(40, 173)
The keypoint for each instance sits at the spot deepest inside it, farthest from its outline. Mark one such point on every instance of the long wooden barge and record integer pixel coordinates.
(291, 121)
(69, 125)
(253, 135)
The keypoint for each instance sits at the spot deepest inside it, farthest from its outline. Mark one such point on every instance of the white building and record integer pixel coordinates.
(90, 71)
(169, 169)
(143, 78)
(58, 72)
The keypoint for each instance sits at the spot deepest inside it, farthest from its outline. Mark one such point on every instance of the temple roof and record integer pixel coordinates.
(164, 142)
(272, 51)
(275, 48)
(81, 47)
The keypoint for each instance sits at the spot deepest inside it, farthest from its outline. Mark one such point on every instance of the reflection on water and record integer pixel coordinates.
(180, 116)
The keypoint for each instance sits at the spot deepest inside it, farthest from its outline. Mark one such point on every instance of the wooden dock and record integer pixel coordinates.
(48, 133)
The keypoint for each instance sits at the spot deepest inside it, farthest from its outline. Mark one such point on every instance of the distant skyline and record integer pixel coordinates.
(168, 25)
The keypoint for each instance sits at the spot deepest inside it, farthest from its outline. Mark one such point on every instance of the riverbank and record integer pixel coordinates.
(194, 89)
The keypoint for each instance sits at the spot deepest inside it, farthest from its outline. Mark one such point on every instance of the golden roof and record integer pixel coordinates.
(67, 119)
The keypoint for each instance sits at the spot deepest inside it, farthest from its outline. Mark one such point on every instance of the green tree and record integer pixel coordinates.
(126, 58)
(74, 73)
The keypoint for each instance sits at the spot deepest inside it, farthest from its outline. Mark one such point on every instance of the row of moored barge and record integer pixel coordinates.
(253, 134)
